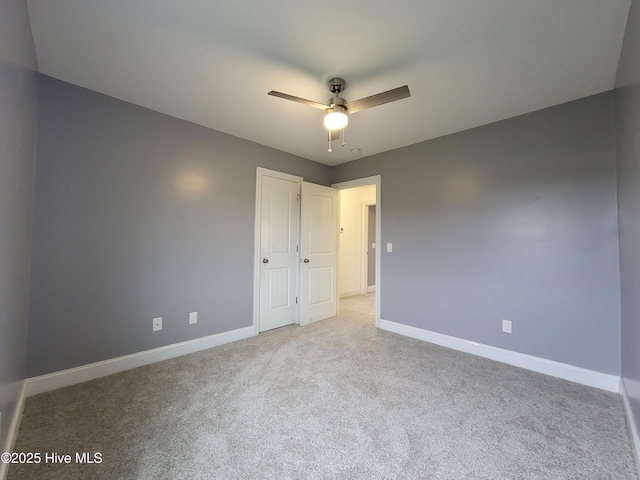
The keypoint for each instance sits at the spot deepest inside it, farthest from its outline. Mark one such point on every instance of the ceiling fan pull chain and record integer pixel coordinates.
(330, 150)
(344, 139)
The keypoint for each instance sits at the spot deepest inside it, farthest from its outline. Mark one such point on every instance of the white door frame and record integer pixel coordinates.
(260, 172)
(364, 262)
(363, 182)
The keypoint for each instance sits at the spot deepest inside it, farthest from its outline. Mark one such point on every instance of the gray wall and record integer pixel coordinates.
(18, 96)
(514, 220)
(627, 96)
(137, 215)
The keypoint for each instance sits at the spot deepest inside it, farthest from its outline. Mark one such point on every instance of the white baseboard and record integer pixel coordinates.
(635, 439)
(350, 293)
(14, 426)
(591, 378)
(371, 288)
(65, 378)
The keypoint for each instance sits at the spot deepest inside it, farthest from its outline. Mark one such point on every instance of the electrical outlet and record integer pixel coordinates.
(506, 326)
(157, 324)
(193, 318)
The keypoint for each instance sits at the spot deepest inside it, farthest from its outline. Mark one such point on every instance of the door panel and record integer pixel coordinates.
(279, 258)
(319, 246)
(320, 285)
(279, 286)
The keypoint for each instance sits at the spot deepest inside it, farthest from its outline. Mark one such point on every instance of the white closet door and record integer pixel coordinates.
(319, 246)
(279, 257)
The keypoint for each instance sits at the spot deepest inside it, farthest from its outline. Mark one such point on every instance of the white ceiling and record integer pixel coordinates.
(212, 62)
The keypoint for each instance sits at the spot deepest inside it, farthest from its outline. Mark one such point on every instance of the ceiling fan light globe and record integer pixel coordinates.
(336, 120)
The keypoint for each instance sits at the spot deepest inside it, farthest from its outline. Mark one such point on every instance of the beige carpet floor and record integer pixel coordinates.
(338, 399)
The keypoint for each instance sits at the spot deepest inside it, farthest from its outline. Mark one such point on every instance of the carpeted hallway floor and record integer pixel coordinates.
(335, 400)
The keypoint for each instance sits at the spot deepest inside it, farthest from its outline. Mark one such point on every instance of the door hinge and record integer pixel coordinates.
(297, 247)
(298, 198)
(296, 299)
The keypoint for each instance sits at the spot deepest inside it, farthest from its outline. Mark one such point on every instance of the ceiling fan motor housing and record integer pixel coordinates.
(337, 105)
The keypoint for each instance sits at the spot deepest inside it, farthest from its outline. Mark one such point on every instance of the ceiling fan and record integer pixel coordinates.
(338, 108)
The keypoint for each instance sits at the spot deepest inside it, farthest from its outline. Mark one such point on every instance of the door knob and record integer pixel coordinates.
(265, 260)
(306, 260)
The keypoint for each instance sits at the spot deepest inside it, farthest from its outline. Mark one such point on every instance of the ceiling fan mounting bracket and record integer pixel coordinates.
(337, 85)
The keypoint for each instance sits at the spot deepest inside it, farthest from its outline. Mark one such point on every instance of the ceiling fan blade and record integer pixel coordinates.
(304, 101)
(378, 99)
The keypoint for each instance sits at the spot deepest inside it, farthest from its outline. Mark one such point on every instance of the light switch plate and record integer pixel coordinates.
(157, 324)
(506, 326)
(389, 247)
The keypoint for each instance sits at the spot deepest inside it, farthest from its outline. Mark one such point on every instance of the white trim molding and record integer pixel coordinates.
(364, 246)
(635, 438)
(584, 376)
(72, 376)
(14, 426)
(351, 293)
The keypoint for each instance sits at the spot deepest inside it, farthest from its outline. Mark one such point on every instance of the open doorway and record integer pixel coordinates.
(369, 237)
(359, 237)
